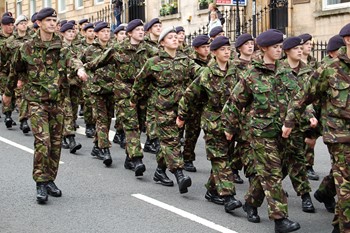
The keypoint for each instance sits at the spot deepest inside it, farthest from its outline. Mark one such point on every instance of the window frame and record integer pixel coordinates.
(19, 9)
(60, 4)
(98, 2)
(326, 6)
(32, 7)
(47, 3)
(77, 7)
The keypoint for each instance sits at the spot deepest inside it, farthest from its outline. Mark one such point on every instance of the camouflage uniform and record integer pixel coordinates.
(169, 77)
(266, 91)
(215, 87)
(46, 65)
(330, 84)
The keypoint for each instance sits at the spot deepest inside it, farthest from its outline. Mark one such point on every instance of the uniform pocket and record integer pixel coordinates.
(339, 92)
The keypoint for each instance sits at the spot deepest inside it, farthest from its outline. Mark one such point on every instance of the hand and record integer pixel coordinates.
(6, 100)
(179, 122)
(311, 142)
(19, 84)
(286, 131)
(228, 136)
(313, 122)
(82, 74)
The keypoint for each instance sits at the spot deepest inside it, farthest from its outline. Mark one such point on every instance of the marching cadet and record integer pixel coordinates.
(120, 33)
(153, 29)
(13, 43)
(169, 73)
(7, 27)
(263, 90)
(47, 75)
(214, 85)
(71, 94)
(200, 56)
(183, 47)
(216, 31)
(330, 84)
(80, 31)
(33, 19)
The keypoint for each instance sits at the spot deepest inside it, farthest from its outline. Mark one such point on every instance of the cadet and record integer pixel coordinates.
(119, 33)
(330, 83)
(153, 28)
(183, 47)
(214, 85)
(216, 31)
(46, 79)
(169, 73)
(80, 31)
(264, 93)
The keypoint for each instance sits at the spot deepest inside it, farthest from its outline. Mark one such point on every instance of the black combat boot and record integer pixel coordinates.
(336, 229)
(149, 147)
(140, 168)
(8, 120)
(236, 178)
(311, 173)
(129, 164)
(156, 144)
(52, 189)
(329, 202)
(116, 138)
(89, 131)
(285, 225)
(24, 126)
(214, 197)
(73, 146)
(183, 181)
(188, 166)
(161, 177)
(107, 158)
(65, 144)
(252, 213)
(96, 151)
(122, 140)
(306, 203)
(230, 203)
(41, 193)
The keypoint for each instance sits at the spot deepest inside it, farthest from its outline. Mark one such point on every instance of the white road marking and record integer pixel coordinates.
(19, 146)
(183, 213)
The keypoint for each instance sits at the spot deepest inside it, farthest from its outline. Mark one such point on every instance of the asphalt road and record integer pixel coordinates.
(99, 199)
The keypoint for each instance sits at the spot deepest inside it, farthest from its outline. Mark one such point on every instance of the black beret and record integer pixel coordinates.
(200, 40)
(179, 29)
(242, 39)
(215, 31)
(133, 24)
(119, 28)
(292, 42)
(63, 22)
(72, 22)
(270, 37)
(335, 43)
(97, 22)
(7, 14)
(345, 31)
(46, 12)
(66, 27)
(151, 23)
(305, 37)
(87, 26)
(7, 20)
(35, 25)
(145, 26)
(219, 42)
(100, 26)
(83, 21)
(33, 18)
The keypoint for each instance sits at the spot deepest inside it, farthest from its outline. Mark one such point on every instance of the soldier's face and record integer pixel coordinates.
(69, 35)
(223, 53)
(273, 52)
(90, 34)
(120, 36)
(22, 26)
(247, 48)
(104, 35)
(48, 24)
(203, 51)
(8, 28)
(307, 47)
(156, 29)
(138, 33)
(295, 53)
(181, 36)
(170, 41)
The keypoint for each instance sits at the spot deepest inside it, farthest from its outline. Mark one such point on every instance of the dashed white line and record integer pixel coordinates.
(183, 213)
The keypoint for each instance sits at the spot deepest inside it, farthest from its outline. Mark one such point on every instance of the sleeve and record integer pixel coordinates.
(142, 81)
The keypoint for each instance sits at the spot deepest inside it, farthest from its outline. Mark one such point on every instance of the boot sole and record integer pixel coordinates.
(8, 124)
(257, 220)
(129, 168)
(42, 201)
(54, 194)
(140, 170)
(288, 230)
(158, 181)
(213, 201)
(232, 208)
(77, 147)
(184, 185)
(107, 162)
(26, 130)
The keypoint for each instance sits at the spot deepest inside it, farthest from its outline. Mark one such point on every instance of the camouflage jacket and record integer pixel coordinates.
(169, 78)
(148, 40)
(265, 90)
(312, 62)
(330, 84)
(213, 84)
(4, 56)
(199, 60)
(47, 65)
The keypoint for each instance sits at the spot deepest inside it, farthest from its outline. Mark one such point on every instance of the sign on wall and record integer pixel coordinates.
(231, 2)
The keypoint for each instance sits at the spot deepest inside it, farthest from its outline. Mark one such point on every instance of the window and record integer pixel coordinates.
(32, 7)
(19, 7)
(99, 1)
(47, 3)
(168, 7)
(335, 4)
(79, 4)
(61, 6)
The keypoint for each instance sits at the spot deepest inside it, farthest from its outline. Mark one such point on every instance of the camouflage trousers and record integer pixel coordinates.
(76, 99)
(243, 156)
(192, 132)
(23, 109)
(103, 111)
(88, 114)
(69, 127)
(151, 122)
(327, 186)
(268, 154)
(47, 126)
(294, 163)
(168, 134)
(310, 156)
(117, 124)
(130, 120)
(340, 155)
